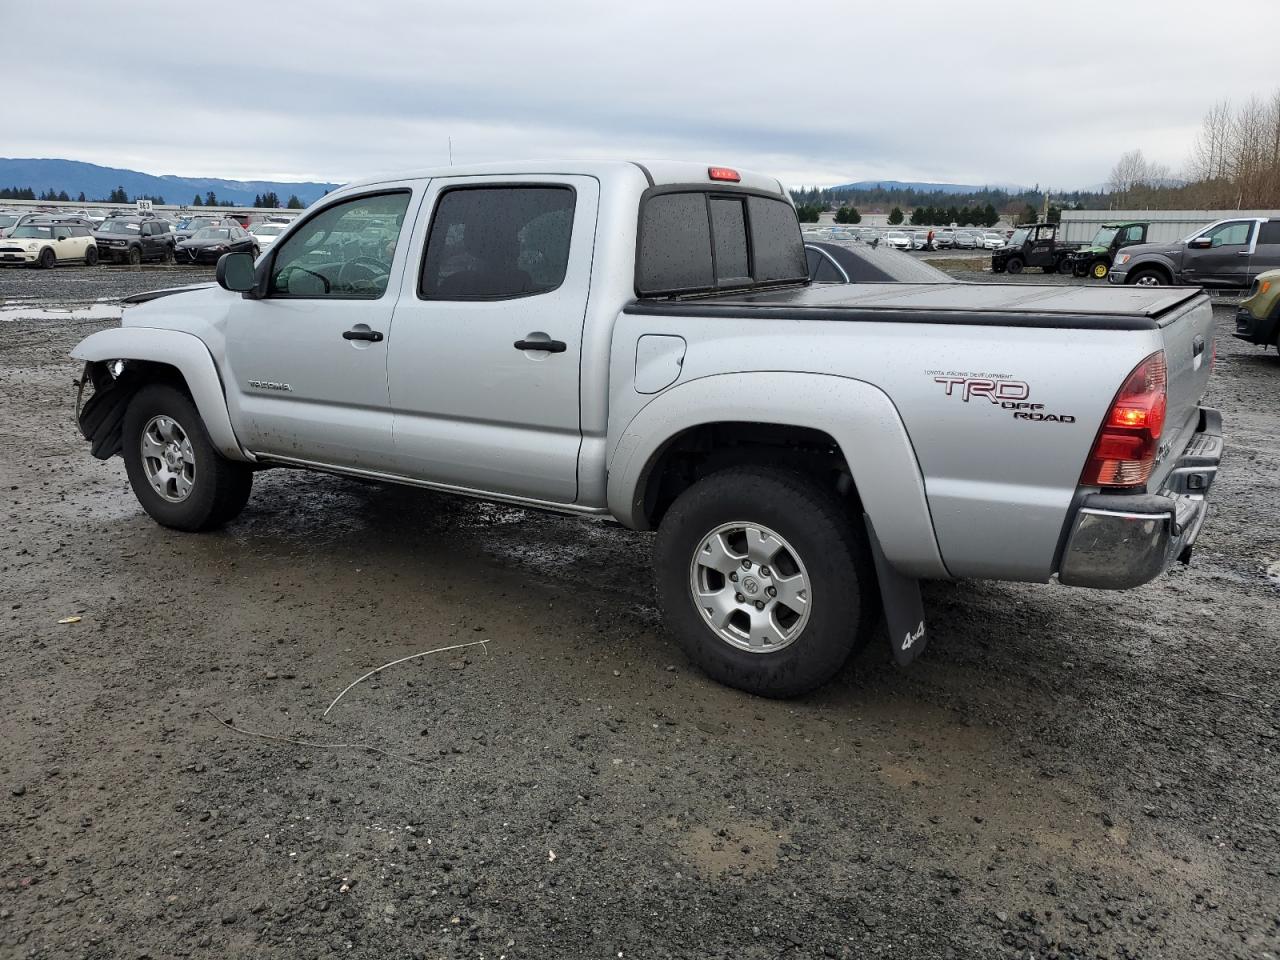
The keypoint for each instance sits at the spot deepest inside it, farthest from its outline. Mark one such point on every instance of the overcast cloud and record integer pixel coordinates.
(816, 93)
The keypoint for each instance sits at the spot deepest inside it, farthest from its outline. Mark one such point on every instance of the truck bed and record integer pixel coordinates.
(982, 304)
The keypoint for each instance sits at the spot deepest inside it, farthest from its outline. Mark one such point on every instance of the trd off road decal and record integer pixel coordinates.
(997, 388)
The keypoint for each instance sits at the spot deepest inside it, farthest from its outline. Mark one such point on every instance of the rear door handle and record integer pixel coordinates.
(551, 346)
(373, 336)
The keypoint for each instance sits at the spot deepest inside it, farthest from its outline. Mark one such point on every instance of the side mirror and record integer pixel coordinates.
(1201, 243)
(235, 272)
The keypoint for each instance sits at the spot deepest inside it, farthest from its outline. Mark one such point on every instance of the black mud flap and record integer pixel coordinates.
(101, 417)
(903, 607)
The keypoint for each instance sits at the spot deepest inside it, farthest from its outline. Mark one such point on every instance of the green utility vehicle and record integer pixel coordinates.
(1258, 318)
(1095, 259)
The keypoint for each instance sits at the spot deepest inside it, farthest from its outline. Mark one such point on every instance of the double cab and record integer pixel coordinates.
(641, 342)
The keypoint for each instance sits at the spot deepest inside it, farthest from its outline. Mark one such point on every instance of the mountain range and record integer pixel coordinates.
(96, 182)
(923, 187)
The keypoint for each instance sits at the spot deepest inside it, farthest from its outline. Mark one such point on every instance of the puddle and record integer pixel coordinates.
(97, 311)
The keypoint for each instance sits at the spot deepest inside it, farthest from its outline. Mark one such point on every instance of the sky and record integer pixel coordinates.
(1020, 92)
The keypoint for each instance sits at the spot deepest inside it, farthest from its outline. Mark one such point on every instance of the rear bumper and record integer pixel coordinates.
(1259, 330)
(1119, 541)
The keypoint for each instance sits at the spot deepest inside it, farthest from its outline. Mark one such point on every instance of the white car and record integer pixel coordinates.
(266, 233)
(45, 244)
(992, 241)
(897, 240)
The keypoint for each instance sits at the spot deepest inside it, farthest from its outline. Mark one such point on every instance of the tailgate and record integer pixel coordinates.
(1188, 350)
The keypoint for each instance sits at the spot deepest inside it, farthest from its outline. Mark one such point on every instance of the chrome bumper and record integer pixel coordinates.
(1119, 541)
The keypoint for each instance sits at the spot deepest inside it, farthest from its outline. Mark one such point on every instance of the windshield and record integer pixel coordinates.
(119, 226)
(213, 233)
(267, 229)
(897, 235)
(30, 230)
(7, 220)
(1019, 237)
(1104, 236)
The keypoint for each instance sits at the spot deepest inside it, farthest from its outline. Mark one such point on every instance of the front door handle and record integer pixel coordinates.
(551, 346)
(373, 336)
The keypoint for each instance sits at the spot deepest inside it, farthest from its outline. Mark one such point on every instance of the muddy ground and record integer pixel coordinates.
(1065, 773)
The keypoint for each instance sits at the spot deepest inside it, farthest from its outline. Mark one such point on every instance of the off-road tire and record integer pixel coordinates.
(1013, 265)
(221, 487)
(824, 533)
(135, 256)
(91, 257)
(48, 259)
(1099, 269)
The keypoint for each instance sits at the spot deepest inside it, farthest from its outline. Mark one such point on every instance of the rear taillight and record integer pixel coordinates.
(1125, 451)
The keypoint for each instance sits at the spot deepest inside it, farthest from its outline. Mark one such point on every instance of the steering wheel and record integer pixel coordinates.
(372, 269)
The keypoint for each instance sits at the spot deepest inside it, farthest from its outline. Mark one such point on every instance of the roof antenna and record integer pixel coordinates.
(451, 151)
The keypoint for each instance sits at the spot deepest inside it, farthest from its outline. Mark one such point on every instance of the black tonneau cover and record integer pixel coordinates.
(973, 304)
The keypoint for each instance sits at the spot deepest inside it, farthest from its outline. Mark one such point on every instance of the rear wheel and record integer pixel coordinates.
(91, 256)
(176, 474)
(765, 580)
(1148, 278)
(1013, 265)
(47, 258)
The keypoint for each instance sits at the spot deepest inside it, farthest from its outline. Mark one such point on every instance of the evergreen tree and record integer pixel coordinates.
(80, 199)
(210, 199)
(808, 212)
(895, 216)
(854, 215)
(953, 215)
(118, 195)
(197, 202)
(989, 216)
(63, 195)
(917, 217)
(1055, 214)
(294, 203)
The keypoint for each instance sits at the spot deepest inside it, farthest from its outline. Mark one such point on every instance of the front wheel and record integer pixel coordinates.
(765, 579)
(176, 474)
(1147, 278)
(1013, 265)
(48, 259)
(1099, 270)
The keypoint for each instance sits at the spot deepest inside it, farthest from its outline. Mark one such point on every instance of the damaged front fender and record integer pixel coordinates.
(120, 360)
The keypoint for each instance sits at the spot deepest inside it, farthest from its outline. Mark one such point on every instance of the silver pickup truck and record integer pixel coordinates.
(641, 342)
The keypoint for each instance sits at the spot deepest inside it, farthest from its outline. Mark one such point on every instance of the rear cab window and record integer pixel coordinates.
(697, 240)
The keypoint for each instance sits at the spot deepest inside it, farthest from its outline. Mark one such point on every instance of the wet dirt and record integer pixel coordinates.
(1065, 773)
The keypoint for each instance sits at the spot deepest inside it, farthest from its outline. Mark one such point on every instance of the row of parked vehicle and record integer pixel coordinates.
(944, 238)
(47, 239)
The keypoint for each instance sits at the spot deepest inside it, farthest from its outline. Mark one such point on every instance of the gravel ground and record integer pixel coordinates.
(1065, 773)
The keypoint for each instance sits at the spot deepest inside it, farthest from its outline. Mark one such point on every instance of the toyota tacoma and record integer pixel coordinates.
(641, 342)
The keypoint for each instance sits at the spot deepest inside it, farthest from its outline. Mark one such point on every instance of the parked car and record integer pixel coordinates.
(1258, 317)
(1032, 245)
(46, 244)
(573, 336)
(11, 221)
(209, 244)
(944, 239)
(992, 240)
(964, 240)
(1094, 258)
(919, 239)
(1229, 253)
(134, 239)
(266, 232)
(846, 263)
(193, 225)
(897, 240)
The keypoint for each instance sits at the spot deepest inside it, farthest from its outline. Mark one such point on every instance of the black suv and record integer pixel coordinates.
(134, 239)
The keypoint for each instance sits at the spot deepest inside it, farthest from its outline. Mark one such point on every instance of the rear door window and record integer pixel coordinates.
(498, 243)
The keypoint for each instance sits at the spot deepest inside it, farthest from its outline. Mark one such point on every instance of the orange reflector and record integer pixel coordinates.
(1266, 285)
(723, 173)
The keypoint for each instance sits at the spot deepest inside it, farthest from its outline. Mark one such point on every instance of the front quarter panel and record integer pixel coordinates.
(183, 351)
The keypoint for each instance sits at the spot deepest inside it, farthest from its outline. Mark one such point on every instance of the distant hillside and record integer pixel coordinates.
(921, 186)
(97, 183)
